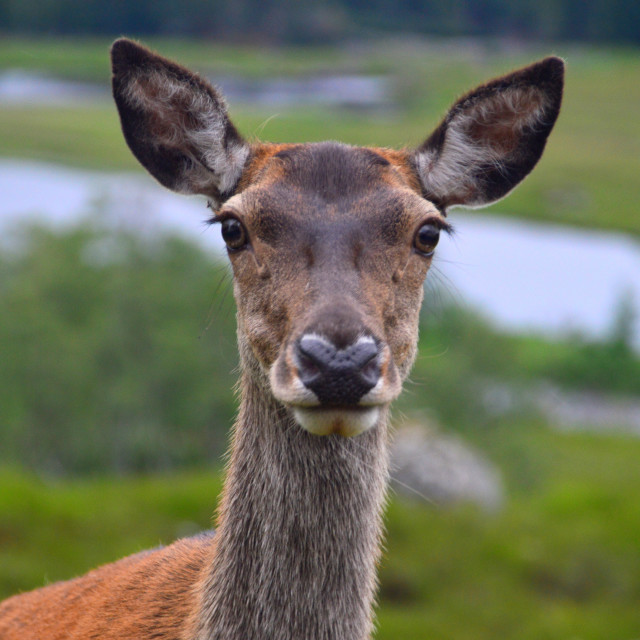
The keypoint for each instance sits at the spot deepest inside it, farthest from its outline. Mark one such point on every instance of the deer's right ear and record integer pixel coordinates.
(176, 123)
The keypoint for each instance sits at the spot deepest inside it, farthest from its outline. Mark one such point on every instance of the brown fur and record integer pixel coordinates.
(126, 599)
(329, 255)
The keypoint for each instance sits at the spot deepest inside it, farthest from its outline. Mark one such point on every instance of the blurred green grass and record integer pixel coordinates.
(588, 176)
(560, 561)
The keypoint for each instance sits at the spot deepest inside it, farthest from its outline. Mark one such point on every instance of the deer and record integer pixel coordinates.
(329, 246)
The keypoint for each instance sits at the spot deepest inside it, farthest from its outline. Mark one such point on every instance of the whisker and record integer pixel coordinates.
(226, 297)
(443, 284)
(426, 498)
(428, 356)
(260, 128)
(353, 443)
(211, 315)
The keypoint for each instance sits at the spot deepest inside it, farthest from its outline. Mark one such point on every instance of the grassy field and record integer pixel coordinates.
(560, 561)
(588, 176)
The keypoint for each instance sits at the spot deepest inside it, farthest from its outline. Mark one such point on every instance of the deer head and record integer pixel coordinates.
(330, 243)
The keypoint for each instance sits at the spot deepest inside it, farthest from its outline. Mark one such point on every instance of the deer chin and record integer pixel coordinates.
(343, 421)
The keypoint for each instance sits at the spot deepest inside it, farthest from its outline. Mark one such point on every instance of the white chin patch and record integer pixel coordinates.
(343, 422)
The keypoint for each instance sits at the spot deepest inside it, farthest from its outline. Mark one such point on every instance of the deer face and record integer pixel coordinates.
(330, 244)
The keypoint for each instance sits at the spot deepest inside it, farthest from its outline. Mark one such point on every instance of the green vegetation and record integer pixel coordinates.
(588, 176)
(460, 354)
(118, 357)
(283, 21)
(82, 137)
(53, 530)
(116, 354)
(140, 335)
(560, 561)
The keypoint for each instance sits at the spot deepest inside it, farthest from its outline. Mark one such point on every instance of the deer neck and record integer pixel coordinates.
(299, 530)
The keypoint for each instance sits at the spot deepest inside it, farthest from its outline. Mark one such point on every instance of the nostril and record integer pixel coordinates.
(362, 352)
(337, 376)
(317, 350)
(371, 371)
(313, 356)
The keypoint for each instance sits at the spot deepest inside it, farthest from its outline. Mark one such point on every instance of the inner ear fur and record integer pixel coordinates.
(176, 123)
(492, 137)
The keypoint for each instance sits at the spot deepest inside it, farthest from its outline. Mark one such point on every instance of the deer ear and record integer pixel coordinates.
(492, 137)
(176, 123)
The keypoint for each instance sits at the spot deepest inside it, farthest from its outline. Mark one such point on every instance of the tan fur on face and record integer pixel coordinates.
(385, 281)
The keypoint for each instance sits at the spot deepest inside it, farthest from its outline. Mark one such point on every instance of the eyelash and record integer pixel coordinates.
(216, 218)
(441, 224)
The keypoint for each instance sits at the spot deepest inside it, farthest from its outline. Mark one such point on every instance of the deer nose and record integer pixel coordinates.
(338, 376)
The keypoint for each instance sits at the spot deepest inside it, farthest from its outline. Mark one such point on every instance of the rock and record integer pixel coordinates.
(442, 470)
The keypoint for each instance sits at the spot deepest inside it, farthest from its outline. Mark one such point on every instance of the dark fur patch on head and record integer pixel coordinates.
(330, 169)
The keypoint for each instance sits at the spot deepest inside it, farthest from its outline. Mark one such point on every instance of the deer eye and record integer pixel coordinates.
(426, 239)
(234, 234)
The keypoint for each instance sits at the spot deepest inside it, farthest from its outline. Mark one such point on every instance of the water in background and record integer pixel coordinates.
(522, 275)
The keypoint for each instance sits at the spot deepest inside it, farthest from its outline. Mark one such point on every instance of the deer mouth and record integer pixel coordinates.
(323, 419)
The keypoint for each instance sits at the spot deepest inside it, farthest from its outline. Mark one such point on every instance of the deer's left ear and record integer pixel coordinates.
(492, 137)
(176, 123)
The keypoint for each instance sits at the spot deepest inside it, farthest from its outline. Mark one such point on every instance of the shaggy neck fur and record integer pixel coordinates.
(299, 532)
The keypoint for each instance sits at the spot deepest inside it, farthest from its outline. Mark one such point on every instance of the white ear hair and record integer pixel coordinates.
(176, 123)
(491, 138)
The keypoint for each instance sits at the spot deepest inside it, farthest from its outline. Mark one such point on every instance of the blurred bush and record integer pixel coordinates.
(109, 359)
(303, 22)
(119, 354)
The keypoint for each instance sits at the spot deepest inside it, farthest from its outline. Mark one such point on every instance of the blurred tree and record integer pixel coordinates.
(287, 21)
(108, 358)
(622, 335)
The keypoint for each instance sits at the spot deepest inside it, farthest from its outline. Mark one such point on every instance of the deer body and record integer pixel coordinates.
(329, 245)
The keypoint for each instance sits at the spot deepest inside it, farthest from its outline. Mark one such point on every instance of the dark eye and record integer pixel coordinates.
(426, 239)
(234, 234)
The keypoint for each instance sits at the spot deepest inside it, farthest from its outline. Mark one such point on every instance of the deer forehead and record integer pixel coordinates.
(328, 191)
